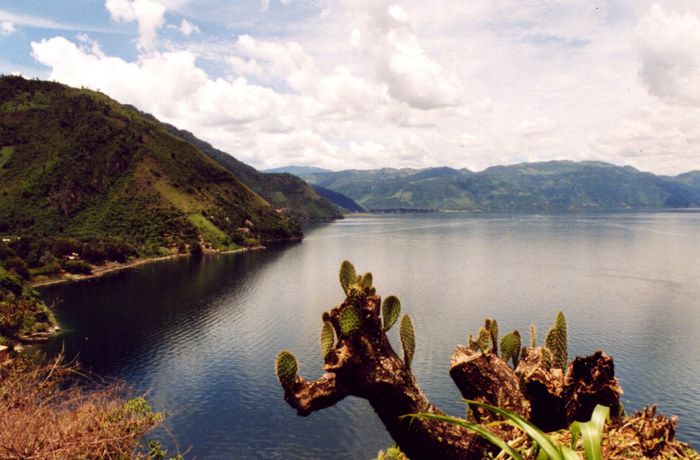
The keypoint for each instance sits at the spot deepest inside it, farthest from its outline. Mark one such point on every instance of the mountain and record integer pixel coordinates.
(283, 191)
(297, 170)
(553, 185)
(338, 199)
(76, 163)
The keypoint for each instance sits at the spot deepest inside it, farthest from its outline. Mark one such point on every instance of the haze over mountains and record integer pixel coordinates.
(554, 185)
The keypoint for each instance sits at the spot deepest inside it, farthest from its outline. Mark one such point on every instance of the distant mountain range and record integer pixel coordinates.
(553, 185)
(76, 163)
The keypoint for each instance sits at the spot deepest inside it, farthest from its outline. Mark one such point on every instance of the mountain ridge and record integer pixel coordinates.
(538, 186)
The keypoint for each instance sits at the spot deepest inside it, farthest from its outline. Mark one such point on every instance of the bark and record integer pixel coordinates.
(488, 379)
(363, 364)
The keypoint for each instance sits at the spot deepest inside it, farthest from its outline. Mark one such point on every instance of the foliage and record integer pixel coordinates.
(591, 433)
(21, 310)
(392, 453)
(55, 410)
(78, 165)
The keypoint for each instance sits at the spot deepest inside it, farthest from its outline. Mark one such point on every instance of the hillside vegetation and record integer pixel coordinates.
(555, 185)
(283, 191)
(76, 163)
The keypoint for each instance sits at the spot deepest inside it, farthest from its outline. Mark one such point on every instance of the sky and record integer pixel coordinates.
(362, 84)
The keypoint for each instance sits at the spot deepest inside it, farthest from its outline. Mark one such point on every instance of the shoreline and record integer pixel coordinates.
(110, 267)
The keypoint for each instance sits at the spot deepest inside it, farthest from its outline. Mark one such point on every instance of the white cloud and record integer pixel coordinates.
(7, 28)
(411, 76)
(669, 45)
(187, 27)
(149, 14)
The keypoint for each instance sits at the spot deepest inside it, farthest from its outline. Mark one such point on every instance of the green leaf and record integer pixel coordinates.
(517, 421)
(492, 438)
(592, 432)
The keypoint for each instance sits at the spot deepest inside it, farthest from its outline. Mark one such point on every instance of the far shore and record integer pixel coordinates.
(109, 267)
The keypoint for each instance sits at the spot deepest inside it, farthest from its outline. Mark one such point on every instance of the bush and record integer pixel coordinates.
(77, 267)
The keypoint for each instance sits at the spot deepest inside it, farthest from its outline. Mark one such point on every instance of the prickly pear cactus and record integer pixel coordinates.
(510, 347)
(556, 341)
(408, 339)
(493, 329)
(327, 338)
(473, 344)
(348, 277)
(533, 336)
(366, 280)
(484, 340)
(391, 309)
(286, 367)
(350, 320)
(546, 358)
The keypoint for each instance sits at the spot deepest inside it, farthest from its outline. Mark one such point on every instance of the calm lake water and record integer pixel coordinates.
(201, 334)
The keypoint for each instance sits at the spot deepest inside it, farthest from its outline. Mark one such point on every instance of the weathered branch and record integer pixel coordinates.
(364, 364)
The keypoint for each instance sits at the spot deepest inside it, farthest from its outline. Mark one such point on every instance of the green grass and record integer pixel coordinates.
(212, 233)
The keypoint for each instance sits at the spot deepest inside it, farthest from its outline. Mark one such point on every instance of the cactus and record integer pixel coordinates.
(493, 329)
(533, 336)
(391, 308)
(484, 340)
(510, 347)
(350, 320)
(366, 281)
(408, 339)
(556, 341)
(327, 338)
(473, 344)
(348, 277)
(286, 367)
(546, 359)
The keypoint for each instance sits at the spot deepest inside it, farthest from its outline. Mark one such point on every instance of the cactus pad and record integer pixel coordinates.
(327, 338)
(286, 367)
(350, 320)
(484, 340)
(510, 347)
(347, 276)
(546, 358)
(408, 339)
(391, 309)
(366, 280)
(533, 336)
(473, 344)
(556, 341)
(493, 329)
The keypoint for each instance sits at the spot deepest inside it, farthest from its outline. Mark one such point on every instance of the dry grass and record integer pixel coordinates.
(54, 411)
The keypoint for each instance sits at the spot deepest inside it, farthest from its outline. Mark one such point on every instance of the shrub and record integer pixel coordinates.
(77, 267)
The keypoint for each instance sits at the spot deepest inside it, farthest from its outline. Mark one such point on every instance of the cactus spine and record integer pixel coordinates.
(327, 338)
(348, 276)
(408, 339)
(391, 309)
(350, 320)
(510, 347)
(286, 367)
(556, 341)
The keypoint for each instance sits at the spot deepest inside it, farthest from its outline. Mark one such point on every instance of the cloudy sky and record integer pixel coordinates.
(374, 83)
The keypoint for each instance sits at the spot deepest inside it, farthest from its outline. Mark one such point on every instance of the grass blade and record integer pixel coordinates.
(517, 421)
(492, 438)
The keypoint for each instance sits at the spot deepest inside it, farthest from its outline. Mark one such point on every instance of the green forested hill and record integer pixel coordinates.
(281, 190)
(76, 163)
(555, 185)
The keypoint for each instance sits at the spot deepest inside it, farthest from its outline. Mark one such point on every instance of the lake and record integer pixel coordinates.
(201, 334)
